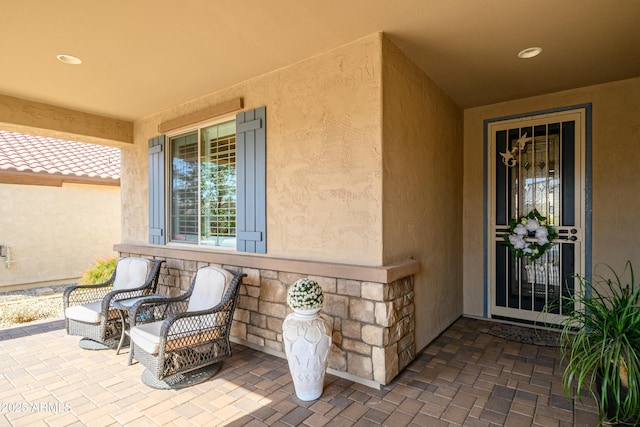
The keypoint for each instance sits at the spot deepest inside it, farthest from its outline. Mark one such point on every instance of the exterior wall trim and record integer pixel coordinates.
(381, 274)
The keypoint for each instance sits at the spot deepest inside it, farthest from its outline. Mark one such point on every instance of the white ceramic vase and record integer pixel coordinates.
(307, 340)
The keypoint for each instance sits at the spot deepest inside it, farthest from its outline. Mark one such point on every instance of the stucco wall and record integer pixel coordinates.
(615, 160)
(324, 158)
(55, 233)
(325, 168)
(422, 152)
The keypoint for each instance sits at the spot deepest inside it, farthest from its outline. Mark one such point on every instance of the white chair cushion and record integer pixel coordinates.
(147, 336)
(131, 273)
(209, 287)
(88, 313)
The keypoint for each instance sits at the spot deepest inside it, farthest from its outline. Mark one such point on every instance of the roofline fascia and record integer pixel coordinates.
(52, 180)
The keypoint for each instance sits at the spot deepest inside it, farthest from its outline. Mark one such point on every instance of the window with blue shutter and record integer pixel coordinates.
(217, 185)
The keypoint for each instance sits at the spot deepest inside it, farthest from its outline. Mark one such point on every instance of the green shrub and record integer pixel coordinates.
(99, 272)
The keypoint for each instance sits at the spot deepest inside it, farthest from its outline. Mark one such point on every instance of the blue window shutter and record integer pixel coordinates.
(251, 180)
(157, 233)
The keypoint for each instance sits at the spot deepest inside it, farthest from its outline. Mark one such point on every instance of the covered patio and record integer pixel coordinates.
(378, 180)
(464, 377)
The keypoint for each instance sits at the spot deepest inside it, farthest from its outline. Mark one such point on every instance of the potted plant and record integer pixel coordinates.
(305, 296)
(600, 341)
(307, 339)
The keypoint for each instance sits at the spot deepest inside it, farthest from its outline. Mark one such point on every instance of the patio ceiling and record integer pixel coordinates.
(144, 56)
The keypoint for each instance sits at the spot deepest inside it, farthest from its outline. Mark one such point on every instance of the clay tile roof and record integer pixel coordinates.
(28, 153)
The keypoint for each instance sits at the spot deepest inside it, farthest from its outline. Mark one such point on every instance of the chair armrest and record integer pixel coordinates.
(187, 329)
(84, 294)
(181, 324)
(119, 295)
(155, 308)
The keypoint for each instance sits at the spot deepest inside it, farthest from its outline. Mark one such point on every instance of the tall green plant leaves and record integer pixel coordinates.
(606, 343)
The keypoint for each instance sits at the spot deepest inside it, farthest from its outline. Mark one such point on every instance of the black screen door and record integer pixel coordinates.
(536, 164)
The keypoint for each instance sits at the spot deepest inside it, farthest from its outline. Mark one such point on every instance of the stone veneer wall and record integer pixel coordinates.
(373, 323)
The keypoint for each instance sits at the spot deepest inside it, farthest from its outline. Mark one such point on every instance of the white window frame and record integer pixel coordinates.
(169, 182)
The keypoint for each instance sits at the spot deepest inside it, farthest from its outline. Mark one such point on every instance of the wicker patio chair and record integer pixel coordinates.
(88, 308)
(188, 345)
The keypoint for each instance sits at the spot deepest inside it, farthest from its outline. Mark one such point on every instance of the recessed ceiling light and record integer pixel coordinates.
(69, 59)
(530, 52)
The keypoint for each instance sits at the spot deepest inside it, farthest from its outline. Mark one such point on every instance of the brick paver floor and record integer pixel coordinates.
(465, 377)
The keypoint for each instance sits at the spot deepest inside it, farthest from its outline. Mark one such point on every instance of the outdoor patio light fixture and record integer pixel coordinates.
(69, 59)
(529, 52)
